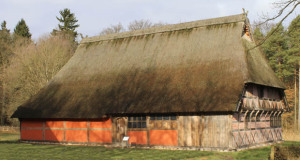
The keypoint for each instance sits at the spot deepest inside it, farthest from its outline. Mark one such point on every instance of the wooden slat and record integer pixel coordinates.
(197, 135)
(113, 129)
(180, 131)
(228, 132)
(201, 131)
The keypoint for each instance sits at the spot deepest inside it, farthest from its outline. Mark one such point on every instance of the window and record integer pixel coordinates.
(250, 90)
(260, 90)
(165, 118)
(272, 121)
(137, 122)
(275, 121)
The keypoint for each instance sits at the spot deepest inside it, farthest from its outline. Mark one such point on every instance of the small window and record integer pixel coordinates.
(143, 124)
(272, 121)
(173, 118)
(137, 122)
(152, 118)
(165, 118)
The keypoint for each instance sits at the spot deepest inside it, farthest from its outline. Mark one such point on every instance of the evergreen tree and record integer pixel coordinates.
(22, 29)
(4, 33)
(68, 23)
(276, 50)
(294, 37)
(258, 35)
(3, 27)
(294, 52)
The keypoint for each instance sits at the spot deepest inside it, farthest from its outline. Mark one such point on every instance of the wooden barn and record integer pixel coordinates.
(198, 85)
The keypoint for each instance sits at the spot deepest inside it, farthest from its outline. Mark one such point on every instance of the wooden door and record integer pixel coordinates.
(119, 129)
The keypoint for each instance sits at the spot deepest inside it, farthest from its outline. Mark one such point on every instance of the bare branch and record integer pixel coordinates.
(113, 29)
(140, 24)
(287, 4)
(278, 24)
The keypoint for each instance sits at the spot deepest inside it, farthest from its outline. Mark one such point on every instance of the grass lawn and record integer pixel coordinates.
(11, 149)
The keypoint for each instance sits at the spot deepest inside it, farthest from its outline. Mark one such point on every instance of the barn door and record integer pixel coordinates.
(119, 129)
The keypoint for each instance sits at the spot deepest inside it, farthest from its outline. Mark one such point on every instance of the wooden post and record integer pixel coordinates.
(43, 130)
(20, 129)
(256, 124)
(245, 118)
(64, 140)
(239, 117)
(88, 131)
(251, 113)
(272, 154)
(271, 121)
(267, 114)
(148, 130)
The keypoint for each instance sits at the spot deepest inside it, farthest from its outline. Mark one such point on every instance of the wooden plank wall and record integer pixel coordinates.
(209, 131)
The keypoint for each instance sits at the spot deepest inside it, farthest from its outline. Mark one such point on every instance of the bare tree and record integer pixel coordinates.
(139, 24)
(31, 67)
(134, 25)
(143, 24)
(264, 27)
(113, 29)
(159, 24)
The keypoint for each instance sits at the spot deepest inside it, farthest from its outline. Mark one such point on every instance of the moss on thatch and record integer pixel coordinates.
(192, 67)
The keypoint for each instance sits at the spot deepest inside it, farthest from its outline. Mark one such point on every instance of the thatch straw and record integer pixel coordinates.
(193, 67)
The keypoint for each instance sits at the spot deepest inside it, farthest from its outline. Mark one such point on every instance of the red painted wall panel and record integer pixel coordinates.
(163, 137)
(31, 134)
(137, 137)
(76, 135)
(76, 124)
(105, 123)
(100, 136)
(26, 123)
(54, 135)
(54, 124)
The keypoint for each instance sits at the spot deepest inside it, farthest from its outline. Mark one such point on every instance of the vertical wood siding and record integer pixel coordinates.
(205, 131)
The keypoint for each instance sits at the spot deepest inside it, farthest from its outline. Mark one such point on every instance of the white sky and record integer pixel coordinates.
(94, 15)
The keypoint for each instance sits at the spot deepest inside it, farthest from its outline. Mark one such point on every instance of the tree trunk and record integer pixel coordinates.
(295, 103)
(2, 97)
(299, 97)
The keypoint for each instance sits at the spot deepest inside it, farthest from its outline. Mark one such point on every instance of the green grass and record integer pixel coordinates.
(11, 149)
(9, 136)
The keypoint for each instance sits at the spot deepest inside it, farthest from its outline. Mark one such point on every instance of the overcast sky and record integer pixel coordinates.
(94, 15)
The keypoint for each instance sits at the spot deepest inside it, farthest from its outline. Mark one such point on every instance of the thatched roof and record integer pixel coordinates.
(199, 66)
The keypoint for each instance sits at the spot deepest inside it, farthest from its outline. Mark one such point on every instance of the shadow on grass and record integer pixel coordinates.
(11, 142)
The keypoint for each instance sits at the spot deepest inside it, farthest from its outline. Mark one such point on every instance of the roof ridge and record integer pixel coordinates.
(170, 27)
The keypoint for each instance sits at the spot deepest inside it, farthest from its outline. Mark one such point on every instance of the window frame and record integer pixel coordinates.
(137, 122)
(163, 118)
